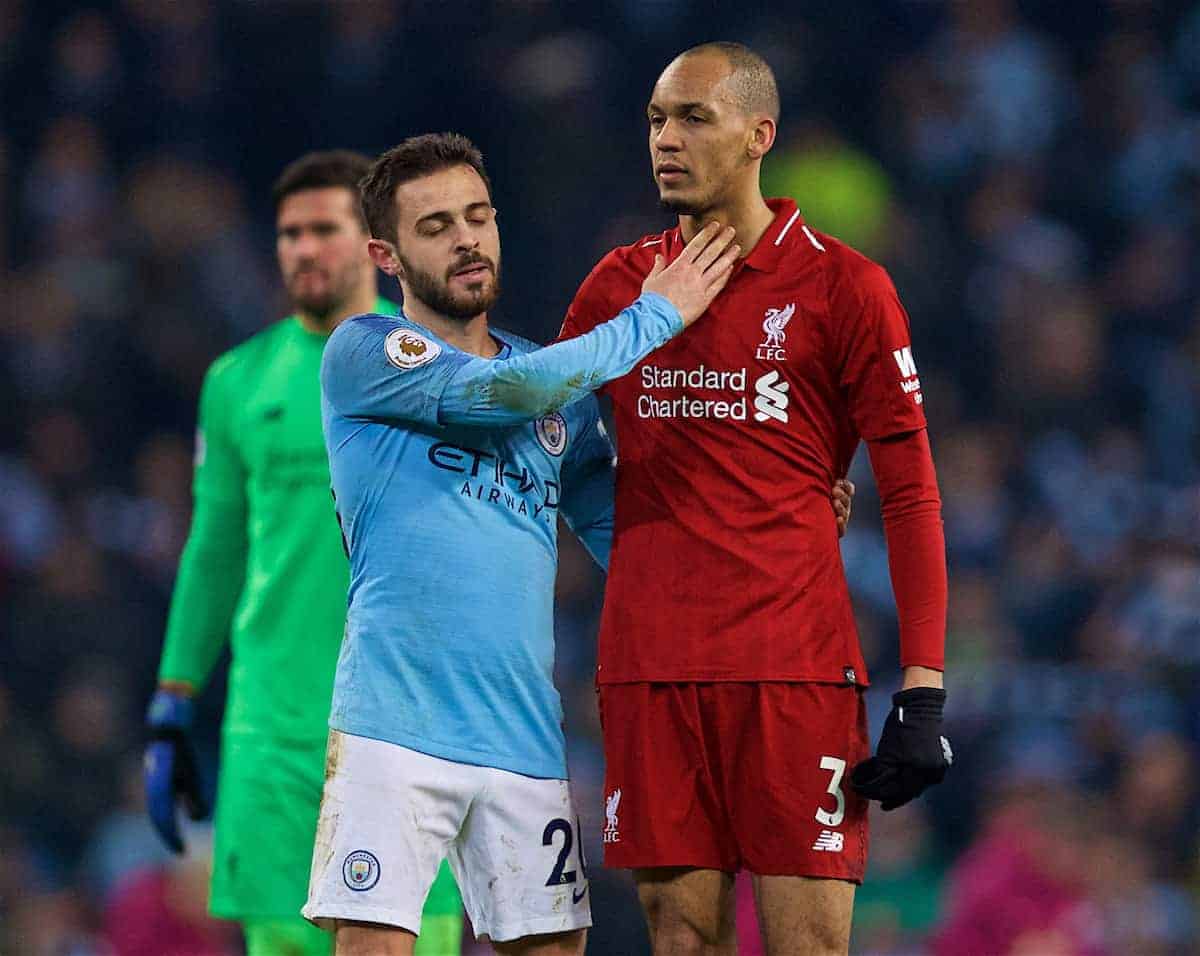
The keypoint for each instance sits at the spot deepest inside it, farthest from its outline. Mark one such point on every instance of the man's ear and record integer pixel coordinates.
(762, 138)
(383, 254)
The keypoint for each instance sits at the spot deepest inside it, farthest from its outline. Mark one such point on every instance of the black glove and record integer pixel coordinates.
(912, 753)
(169, 768)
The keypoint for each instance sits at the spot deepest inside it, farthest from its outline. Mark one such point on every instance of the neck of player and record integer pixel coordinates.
(470, 335)
(748, 214)
(362, 302)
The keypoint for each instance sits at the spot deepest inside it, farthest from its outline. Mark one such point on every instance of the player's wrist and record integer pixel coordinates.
(917, 676)
(661, 306)
(181, 687)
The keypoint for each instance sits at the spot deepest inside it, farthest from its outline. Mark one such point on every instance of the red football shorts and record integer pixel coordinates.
(727, 776)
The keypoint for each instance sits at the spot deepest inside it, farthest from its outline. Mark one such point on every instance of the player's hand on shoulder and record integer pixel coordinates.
(693, 280)
(169, 769)
(843, 502)
(912, 754)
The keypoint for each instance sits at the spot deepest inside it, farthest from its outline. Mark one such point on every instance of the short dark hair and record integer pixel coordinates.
(752, 81)
(332, 168)
(417, 156)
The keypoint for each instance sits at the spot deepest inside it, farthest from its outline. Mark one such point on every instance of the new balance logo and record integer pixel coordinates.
(903, 357)
(830, 841)
(771, 400)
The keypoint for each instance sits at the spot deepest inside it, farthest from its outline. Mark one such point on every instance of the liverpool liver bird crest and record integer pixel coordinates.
(774, 324)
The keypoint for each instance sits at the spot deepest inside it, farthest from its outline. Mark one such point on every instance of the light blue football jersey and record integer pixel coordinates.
(449, 472)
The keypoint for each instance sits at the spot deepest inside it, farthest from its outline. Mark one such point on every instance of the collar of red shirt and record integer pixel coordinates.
(765, 256)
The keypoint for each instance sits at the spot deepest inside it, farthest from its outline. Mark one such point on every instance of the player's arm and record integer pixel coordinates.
(912, 525)
(587, 494)
(884, 398)
(212, 567)
(361, 378)
(912, 753)
(207, 587)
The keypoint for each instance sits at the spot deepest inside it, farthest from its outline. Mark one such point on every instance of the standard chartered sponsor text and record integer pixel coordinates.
(695, 379)
(699, 378)
(687, 407)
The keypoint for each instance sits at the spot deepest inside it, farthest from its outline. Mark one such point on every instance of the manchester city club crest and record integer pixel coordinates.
(360, 870)
(551, 433)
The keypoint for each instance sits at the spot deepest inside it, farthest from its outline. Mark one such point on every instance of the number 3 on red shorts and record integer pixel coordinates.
(838, 766)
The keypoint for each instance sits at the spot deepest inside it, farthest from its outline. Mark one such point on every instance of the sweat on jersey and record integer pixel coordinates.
(725, 562)
(449, 472)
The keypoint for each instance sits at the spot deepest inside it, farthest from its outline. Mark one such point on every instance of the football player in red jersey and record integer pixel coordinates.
(730, 675)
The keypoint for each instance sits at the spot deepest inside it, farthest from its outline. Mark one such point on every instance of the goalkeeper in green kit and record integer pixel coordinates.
(264, 568)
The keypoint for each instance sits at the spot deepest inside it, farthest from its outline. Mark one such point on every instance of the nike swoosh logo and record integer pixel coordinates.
(576, 897)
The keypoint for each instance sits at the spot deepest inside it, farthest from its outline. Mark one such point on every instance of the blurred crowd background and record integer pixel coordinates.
(1028, 172)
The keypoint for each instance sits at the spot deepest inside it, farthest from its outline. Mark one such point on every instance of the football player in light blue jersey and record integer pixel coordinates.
(453, 448)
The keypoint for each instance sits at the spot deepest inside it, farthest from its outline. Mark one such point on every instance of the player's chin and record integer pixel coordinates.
(475, 300)
(315, 304)
(679, 203)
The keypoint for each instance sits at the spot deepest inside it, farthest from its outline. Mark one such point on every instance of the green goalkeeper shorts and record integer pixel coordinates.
(268, 798)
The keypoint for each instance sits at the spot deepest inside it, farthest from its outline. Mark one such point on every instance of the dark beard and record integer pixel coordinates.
(681, 207)
(435, 292)
(325, 306)
(319, 309)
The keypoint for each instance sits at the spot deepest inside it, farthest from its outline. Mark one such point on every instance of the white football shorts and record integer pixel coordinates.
(390, 815)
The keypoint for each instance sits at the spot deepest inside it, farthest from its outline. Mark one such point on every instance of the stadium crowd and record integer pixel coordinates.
(1028, 173)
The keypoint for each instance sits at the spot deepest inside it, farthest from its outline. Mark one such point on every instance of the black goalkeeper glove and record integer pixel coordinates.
(912, 753)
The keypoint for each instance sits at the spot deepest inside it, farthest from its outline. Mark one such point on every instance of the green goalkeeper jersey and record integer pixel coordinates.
(264, 565)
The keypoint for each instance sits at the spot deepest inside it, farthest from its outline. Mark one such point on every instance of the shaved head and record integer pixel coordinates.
(752, 82)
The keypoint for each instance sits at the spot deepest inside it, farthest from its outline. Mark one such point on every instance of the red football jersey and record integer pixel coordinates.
(725, 562)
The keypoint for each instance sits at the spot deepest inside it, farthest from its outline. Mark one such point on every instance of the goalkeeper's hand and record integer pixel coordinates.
(169, 770)
(912, 753)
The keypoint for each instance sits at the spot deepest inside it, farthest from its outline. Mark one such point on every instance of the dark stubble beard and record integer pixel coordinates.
(701, 206)
(681, 207)
(342, 289)
(435, 292)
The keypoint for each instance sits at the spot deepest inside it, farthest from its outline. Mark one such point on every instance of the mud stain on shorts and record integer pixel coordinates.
(333, 752)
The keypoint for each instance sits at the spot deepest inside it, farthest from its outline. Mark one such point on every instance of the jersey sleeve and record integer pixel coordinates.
(916, 546)
(876, 370)
(588, 481)
(400, 375)
(375, 370)
(212, 567)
